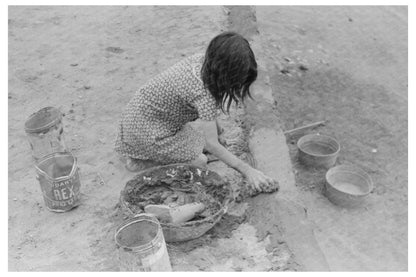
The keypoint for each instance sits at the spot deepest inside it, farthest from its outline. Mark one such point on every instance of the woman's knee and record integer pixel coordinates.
(200, 161)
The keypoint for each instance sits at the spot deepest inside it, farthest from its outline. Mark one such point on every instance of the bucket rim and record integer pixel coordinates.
(135, 219)
(353, 170)
(47, 157)
(305, 137)
(47, 125)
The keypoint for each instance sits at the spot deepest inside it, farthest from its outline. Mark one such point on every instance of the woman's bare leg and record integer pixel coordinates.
(200, 161)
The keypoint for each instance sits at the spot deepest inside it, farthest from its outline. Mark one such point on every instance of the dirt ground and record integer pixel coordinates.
(64, 57)
(347, 65)
(88, 61)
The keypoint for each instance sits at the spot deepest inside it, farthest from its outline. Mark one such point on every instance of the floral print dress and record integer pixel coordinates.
(153, 125)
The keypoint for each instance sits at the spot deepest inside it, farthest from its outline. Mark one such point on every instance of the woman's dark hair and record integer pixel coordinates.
(229, 69)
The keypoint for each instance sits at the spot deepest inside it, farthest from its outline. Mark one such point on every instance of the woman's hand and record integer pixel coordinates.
(258, 180)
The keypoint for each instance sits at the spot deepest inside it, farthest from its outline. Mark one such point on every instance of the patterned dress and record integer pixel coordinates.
(153, 125)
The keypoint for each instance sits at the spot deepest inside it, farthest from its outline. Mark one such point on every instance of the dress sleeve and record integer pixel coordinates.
(199, 97)
(205, 105)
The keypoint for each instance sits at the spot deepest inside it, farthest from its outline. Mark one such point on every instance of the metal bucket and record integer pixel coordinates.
(59, 180)
(318, 150)
(141, 244)
(347, 186)
(45, 132)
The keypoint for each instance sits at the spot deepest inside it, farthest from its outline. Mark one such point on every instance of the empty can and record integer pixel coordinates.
(142, 245)
(58, 175)
(45, 132)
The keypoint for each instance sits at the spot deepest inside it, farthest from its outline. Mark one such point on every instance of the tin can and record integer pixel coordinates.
(141, 245)
(45, 132)
(58, 175)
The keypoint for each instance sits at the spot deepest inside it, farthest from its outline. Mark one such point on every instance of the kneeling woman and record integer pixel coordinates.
(155, 129)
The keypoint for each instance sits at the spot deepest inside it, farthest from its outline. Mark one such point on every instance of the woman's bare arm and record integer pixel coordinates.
(253, 176)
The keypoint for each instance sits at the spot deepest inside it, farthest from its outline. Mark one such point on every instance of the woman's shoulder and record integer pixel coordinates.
(184, 73)
(197, 61)
(196, 58)
(186, 64)
(188, 70)
(189, 60)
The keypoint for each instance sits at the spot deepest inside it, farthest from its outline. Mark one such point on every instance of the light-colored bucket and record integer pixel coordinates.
(45, 132)
(318, 150)
(347, 186)
(59, 180)
(141, 244)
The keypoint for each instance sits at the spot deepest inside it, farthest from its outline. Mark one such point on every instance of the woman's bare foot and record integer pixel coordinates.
(135, 165)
